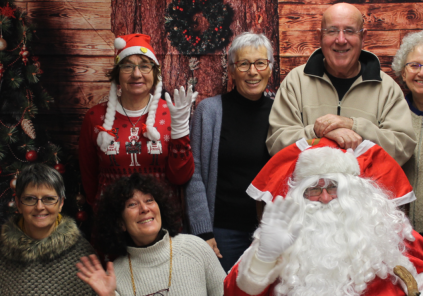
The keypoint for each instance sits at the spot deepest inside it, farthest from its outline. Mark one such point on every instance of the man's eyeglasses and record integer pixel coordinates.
(331, 189)
(244, 65)
(334, 32)
(413, 67)
(159, 293)
(144, 68)
(32, 200)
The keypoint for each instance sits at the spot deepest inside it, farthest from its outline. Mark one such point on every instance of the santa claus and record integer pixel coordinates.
(333, 231)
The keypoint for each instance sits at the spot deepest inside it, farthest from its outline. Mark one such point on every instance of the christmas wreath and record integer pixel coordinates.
(182, 35)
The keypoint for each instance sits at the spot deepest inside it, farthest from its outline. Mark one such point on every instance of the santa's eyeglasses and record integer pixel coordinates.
(331, 189)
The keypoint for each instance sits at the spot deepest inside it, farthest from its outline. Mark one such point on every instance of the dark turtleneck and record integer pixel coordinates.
(242, 154)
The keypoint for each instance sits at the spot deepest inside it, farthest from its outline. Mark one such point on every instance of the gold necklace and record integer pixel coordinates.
(170, 269)
(143, 111)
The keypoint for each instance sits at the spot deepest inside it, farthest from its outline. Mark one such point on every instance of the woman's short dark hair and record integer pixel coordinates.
(109, 236)
(113, 74)
(39, 174)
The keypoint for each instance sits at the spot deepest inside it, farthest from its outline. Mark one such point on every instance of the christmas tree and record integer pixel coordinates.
(23, 138)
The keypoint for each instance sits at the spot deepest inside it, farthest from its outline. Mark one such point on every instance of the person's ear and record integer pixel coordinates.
(122, 225)
(363, 37)
(403, 75)
(320, 35)
(62, 201)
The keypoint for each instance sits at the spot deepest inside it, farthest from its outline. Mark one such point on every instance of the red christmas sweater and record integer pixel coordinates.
(167, 159)
(378, 287)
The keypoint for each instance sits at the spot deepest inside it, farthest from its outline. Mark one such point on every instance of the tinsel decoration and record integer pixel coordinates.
(28, 128)
(179, 25)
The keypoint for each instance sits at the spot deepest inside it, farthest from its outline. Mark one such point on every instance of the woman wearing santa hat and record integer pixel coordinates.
(136, 131)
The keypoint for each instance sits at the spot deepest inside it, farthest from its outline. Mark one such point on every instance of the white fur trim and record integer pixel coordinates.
(137, 50)
(405, 199)
(363, 147)
(258, 195)
(152, 132)
(119, 43)
(302, 144)
(325, 160)
(250, 282)
(103, 138)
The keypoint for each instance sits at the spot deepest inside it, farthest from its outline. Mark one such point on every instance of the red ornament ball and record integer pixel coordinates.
(31, 155)
(81, 216)
(60, 168)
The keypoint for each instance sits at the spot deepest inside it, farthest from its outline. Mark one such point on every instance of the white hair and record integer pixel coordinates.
(409, 43)
(248, 39)
(346, 243)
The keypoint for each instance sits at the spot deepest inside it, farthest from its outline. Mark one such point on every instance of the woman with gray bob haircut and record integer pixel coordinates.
(228, 137)
(38, 245)
(407, 65)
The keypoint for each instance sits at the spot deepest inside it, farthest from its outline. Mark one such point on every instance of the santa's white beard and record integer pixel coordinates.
(340, 251)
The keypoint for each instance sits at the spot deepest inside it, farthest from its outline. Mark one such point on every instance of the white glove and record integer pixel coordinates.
(275, 235)
(179, 113)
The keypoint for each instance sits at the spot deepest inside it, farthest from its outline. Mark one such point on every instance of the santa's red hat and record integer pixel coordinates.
(303, 159)
(128, 45)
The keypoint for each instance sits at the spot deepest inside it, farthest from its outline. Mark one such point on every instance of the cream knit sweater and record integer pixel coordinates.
(196, 270)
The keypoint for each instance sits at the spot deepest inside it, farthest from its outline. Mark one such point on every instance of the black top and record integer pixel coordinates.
(242, 154)
(342, 85)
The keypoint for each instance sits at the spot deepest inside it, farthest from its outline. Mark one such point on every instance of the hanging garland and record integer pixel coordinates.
(179, 25)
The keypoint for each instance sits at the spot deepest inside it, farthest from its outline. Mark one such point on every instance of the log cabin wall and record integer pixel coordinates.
(74, 44)
(387, 22)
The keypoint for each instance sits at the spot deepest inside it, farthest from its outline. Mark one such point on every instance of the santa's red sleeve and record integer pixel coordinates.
(88, 158)
(250, 276)
(180, 163)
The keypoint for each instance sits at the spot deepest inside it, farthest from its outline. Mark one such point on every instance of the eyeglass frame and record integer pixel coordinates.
(268, 63)
(338, 31)
(152, 294)
(420, 66)
(52, 204)
(136, 65)
(321, 190)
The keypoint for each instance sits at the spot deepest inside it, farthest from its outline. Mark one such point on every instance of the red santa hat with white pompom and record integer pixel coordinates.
(322, 156)
(128, 45)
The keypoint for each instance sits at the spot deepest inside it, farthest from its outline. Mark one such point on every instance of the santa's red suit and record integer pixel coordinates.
(377, 287)
(99, 169)
(251, 276)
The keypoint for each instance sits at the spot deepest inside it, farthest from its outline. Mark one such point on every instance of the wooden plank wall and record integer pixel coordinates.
(75, 46)
(387, 23)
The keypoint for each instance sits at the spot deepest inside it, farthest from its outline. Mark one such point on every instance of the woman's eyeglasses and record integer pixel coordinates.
(414, 67)
(244, 65)
(32, 200)
(144, 68)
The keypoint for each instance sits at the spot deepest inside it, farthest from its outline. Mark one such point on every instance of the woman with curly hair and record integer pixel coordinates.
(135, 221)
(407, 65)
